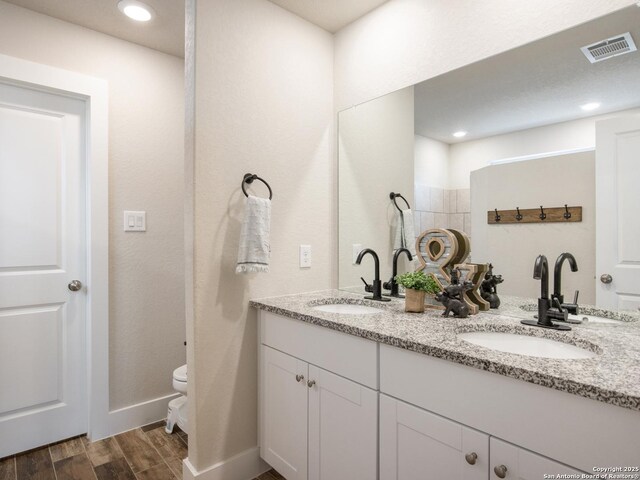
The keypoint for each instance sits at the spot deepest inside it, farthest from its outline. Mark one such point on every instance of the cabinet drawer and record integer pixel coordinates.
(522, 464)
(346, 355)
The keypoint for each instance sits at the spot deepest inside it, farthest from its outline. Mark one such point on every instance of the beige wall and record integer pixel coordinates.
(431, 167)
(375, 156)
(404, 42)
(263, 104)
(146, 323)
(513, 248)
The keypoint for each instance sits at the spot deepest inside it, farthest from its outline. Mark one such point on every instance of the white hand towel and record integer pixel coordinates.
(254, 250)
(405, 233)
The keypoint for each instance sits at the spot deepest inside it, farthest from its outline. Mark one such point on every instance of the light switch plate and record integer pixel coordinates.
(305, 256)
(135, 221)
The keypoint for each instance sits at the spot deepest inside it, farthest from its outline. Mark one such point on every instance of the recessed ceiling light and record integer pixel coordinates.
(587, 107)
(459, 134)
(135, 10)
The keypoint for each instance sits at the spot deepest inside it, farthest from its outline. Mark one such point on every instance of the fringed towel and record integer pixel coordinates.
(254, 250)
(405, 236)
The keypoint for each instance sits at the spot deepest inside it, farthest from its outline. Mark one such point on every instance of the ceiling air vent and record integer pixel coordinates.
(611, 47)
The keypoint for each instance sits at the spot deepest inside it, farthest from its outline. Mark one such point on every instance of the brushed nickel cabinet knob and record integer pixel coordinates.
(500, 471)
(299, 378)
(471, 458)
(311, 383)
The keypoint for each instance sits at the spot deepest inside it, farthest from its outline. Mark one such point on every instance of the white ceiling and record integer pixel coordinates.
(538, 84)
(164, 33)
(331, 15)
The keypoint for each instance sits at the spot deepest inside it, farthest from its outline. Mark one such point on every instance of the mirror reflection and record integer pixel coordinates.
(531, 152)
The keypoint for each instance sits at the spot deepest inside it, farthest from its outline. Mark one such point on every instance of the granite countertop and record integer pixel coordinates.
(612, 376)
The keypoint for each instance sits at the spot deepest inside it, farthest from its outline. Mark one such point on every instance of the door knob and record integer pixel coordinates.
(75, 285)
(471, 458)
(500, 471)
(606, 278)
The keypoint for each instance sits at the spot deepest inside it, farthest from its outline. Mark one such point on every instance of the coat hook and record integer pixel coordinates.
(567, 213)
(518, 215)
(542, 214)
(498, 217)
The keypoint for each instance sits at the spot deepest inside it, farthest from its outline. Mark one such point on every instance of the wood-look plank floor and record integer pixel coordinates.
(145, 453)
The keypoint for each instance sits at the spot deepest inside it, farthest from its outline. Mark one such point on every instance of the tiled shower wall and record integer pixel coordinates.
(442, 208)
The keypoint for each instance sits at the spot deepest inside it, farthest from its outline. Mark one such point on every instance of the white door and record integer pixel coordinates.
(42, 246)
(284, 413)
(343, 428)
(509, 461)
(617, 221)
(419, 445)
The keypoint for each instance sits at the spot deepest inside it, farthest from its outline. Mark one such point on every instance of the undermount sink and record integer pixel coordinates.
(592, 319)
(525, 345)
(347, 309)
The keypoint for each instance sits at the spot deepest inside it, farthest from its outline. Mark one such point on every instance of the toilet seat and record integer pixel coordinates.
(180, 374)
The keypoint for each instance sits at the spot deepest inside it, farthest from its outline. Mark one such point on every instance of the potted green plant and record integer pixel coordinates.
(417, 285)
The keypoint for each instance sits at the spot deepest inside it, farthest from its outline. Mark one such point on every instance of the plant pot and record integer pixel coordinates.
(414, 300)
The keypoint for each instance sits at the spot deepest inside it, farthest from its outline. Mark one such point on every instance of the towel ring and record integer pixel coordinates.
(249, 178)
(393, 197)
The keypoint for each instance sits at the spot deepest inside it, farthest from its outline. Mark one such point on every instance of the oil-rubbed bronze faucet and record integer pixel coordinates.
(392, 284)
(376, 288)
(545, 311)
(557, 297)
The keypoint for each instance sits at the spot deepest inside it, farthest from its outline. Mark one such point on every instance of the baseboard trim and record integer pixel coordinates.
(135, 416)
(243, 466)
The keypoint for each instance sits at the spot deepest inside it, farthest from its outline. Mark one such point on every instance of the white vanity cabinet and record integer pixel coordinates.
(323, 395)
(569, 433)
(343, 428)
(284, 408)
(316, 424)
(419, 445)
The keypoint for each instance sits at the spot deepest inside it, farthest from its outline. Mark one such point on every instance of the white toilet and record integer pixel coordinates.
(177, 414)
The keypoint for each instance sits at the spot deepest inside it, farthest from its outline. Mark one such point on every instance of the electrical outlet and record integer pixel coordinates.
(305, 256)
(135, 221)
(357, 248)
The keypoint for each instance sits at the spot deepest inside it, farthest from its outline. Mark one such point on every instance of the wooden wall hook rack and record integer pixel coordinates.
(541, 214)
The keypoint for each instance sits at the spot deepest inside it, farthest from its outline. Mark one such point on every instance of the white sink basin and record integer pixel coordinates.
(525, 345)
(348, 309)
(593, 319)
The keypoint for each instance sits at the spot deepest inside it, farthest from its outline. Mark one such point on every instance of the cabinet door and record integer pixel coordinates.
(343, 428)
(283, 413)
(419, 445)
(518, 463)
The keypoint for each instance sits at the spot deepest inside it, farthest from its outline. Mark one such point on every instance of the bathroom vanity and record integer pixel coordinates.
(392, 395)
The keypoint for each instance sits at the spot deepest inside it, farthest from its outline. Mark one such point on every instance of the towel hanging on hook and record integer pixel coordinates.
(404, 236)
(254, 248)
